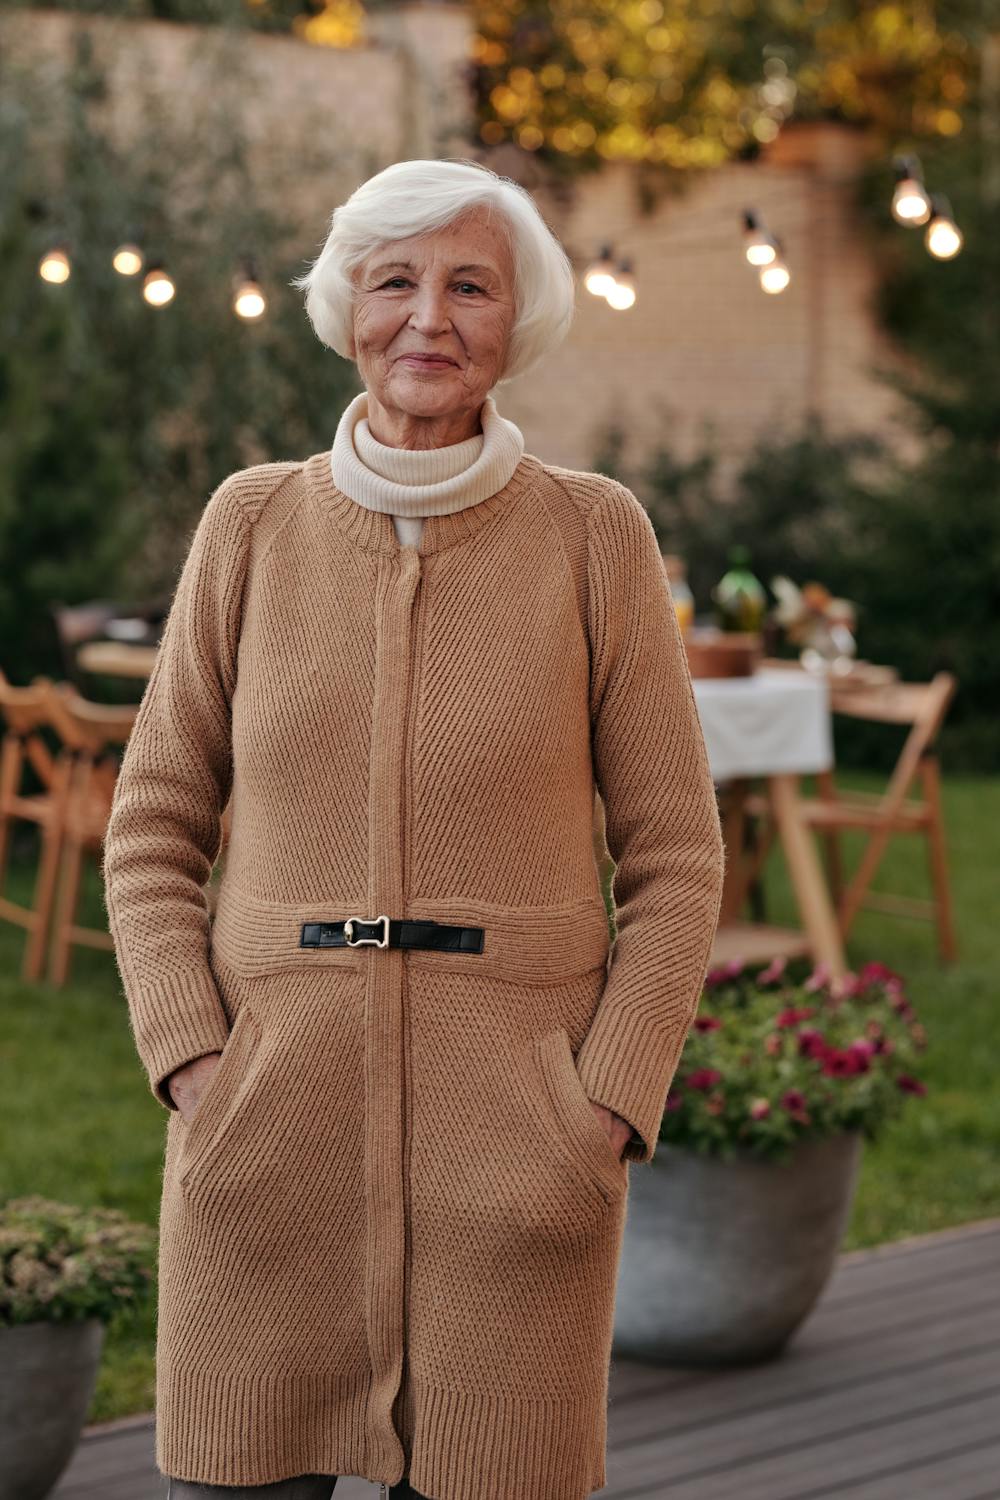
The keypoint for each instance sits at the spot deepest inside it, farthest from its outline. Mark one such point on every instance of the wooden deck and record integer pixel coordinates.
(890, 1391)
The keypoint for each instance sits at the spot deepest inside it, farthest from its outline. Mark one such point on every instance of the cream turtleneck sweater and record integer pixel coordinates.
(410, 483)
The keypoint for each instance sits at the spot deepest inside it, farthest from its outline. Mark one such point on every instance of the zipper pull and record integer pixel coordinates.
(383, 1491)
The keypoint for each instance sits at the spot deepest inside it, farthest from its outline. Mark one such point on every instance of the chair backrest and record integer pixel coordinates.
(24, 711)
(84, 726)
(922, 705)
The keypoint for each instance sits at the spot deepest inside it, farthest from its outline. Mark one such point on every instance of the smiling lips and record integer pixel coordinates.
(431, 361)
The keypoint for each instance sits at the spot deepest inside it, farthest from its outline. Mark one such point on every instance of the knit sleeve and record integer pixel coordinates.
(661, 817)
(164, 830)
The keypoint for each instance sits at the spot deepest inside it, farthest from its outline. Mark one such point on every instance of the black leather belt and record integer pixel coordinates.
(383, 932)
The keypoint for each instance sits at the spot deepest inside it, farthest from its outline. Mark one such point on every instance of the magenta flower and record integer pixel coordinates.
(702, 1078)
(910, 1085)
(812, 1043)
(760, 1109)
(791, 1016)
(722, 973)
(707, 1023)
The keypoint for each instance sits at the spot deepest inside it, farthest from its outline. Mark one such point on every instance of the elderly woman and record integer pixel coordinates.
(405, 1084)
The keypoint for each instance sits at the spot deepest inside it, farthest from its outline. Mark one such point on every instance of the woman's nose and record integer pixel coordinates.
(430, 312)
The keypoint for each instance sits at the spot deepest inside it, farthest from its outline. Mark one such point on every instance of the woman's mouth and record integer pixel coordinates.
(427, 361)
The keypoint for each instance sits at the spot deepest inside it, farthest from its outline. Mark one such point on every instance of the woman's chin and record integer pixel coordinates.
(426, 395)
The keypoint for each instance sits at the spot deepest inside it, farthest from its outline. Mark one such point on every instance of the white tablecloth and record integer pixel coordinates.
(762, 725)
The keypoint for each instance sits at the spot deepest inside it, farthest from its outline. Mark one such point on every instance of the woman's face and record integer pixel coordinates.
(447, 295)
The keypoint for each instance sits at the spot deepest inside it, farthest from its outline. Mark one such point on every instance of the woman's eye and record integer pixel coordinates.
(473, 285)
(397, 280)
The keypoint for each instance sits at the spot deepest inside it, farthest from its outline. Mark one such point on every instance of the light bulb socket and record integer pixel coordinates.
(907, 167)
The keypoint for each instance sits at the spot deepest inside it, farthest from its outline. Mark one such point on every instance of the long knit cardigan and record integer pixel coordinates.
(389, 1235)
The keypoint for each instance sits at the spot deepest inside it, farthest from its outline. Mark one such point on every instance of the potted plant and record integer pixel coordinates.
(733, 1228)
(64, 1272)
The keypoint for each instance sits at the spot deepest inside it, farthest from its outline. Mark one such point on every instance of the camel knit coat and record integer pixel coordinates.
(389, 1235)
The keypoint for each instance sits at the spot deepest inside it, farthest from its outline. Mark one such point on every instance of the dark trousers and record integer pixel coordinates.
(305, 1487)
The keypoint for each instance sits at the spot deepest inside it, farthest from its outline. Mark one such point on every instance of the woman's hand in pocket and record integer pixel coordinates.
(618, 1130)
(187, 1084)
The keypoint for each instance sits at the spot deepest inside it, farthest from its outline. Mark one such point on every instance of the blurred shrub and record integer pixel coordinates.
(118, 419)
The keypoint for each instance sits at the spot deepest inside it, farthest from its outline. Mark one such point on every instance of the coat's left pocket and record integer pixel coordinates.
(571, 1116)
(219, 1107)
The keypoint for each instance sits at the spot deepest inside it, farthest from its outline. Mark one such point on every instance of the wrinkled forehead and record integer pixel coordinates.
(476, 244)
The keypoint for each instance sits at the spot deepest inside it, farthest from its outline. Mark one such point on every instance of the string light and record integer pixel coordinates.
(249, 301)
(128, 259)
(54, 265)
(942, 236)
(622, 294)
(157, 287)
(599, 276)
(910, 203)
(775, 275)
(758, 246)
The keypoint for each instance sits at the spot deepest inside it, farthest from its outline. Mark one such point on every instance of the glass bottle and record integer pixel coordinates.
(739, 597)
(680, 591)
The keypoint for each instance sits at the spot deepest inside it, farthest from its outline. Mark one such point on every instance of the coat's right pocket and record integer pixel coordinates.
(219, 1106)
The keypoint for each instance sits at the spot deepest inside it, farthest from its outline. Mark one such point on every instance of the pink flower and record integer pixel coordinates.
(773, 972)
(794, 1102)
(841, 1062)
(910, 1085)
(773, 1044)
(707, 1023)
(812, 1043)
(791, 1016)
(722, 973)
(874, 973)
(760, 1109)
(819, 977)
(702, 1078)
(674, 1100)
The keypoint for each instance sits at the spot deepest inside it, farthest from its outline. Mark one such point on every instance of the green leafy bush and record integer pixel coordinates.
(62, 1263)
(770, 1061)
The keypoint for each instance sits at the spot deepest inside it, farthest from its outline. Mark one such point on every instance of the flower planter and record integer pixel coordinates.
(47, 1376)
(723, 1259)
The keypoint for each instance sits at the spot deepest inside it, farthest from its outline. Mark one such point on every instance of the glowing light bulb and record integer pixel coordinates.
(942, 236)
(599, 277)
(775, 277)
(758, 246)
(910, 202)
(54, 265)
(622, 293)
(157, 287)
(127, 259)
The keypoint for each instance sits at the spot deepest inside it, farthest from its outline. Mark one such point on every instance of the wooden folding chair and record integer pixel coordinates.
(91, 734)
(923, 707)
(23, 747)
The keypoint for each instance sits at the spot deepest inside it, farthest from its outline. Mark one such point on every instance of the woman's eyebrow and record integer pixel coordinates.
(405, 265)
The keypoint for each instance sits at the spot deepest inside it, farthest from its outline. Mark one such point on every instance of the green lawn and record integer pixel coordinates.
(79, 1123)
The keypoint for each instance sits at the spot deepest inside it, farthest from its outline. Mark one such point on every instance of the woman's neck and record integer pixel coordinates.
(401, 429)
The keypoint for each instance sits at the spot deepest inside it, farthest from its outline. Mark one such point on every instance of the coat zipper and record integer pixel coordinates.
(383, 1491)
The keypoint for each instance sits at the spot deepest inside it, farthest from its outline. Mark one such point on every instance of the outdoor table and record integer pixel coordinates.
(117, 658)
(776, 725)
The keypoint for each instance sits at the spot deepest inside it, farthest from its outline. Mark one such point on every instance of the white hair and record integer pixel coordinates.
(415, 197)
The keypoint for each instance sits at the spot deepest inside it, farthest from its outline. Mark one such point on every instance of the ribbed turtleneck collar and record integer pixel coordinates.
(423, 481)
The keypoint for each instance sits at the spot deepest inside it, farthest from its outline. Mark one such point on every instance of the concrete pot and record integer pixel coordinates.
(47, 1377)
(722, 1260)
